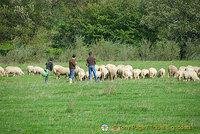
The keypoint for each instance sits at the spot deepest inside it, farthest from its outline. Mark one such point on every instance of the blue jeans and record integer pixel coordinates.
(92, 69)
(47, 77)
(72, 72)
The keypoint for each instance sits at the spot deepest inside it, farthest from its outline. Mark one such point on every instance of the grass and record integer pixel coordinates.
(28, 105)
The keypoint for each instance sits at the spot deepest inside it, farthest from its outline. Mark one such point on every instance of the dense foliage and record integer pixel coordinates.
(151, 29)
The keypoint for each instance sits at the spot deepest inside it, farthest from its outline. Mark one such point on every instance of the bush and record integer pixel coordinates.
(192, 50)
(165, 50)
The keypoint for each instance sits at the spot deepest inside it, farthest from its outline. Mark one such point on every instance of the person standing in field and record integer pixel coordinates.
(90, 62)
(49, 67)
(72, 65)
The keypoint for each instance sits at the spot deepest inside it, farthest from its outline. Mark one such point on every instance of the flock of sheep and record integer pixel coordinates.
(111, 72)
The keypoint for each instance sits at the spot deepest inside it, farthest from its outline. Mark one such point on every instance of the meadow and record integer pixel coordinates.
(28, 105)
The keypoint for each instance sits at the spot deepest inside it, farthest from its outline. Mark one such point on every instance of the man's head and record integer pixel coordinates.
(90, 53)
(74, 56)
(51, 59)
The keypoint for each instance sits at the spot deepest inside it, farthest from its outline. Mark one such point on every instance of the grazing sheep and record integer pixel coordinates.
(179, 75)
(101, 68)
(172, 71)
(120, 66)
(161, 73)
(13, 70)
(99, 75)
(182, 68)
(96, 67)
(129, 67)
(189, 68)
(152, 72)
(121, 70)
(197, 70)
(81, 75)
(60, 70)
(30, 69)
(105, 74)
(128, 74)
(112, 69)
(136, 73)
(2, 72)
(87, 75)
(190, 75)
(110, 65)
(144, 73)
(38, 70)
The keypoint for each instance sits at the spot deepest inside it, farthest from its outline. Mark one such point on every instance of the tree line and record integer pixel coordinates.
(146, 30)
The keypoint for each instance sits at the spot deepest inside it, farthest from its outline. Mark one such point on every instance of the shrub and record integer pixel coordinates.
(192, 50)
(165, 50)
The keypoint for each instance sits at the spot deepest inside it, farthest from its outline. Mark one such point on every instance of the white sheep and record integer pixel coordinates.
(30, 69)
(190, 75)
(182, 68)
(60, 70)
(101, 67)
(136, 73)
(129, 67)
(145, 73)
(37, 69)
(152, 72)
(112, 69)
(172, 71)
(179, 74)
(13, 70)
(105, 74)
(2, 72)
(161, 73)
(81, 75)
(128, 74)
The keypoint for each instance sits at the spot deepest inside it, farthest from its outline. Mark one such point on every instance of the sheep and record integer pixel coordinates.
(172, 71)
(128, 74)
(120, 71)
(60, 70)
(152, 72)
(2, 72)
(144, 73)
(120, 66)
(96, 67)
(189, 68)
(13, 70)
(161, 73)
(110, 65)
(87, 75)
(197, 70)
(105, 74)
(136, 73)
(182, 68)
(99, 75)
(30, 70)
(81, 75)
(129, 67)
(37, 69)
(101, 67)
(190, 75)
(179, 74)
(112, 69)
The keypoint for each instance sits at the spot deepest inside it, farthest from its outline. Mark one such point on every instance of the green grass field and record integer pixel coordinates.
(28, 105)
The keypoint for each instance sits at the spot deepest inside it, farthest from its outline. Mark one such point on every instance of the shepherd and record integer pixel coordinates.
(90, 62)
(72, 65)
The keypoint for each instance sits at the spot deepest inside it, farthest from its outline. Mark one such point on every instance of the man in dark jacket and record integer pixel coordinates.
(49, 67)
(90, 62)
(72, 65)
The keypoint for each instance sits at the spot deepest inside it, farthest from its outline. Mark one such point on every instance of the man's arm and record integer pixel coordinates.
(94, 61)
